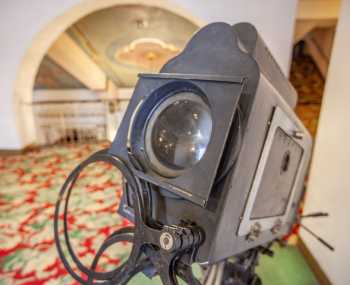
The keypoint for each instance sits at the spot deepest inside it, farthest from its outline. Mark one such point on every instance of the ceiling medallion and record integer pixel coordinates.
(146, 53)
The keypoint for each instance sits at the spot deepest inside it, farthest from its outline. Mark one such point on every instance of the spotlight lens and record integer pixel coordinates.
(181, 131)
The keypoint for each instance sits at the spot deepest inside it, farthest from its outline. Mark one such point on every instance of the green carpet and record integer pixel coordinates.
(287, 267)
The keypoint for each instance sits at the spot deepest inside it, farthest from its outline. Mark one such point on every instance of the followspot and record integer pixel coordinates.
(214, 160)
(213, 134)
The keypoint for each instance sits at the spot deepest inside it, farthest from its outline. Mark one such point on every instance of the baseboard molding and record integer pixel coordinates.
(321, 276)
(8, 152)
(24, 150)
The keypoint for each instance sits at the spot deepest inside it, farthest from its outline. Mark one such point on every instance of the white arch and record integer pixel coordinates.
(23, 89)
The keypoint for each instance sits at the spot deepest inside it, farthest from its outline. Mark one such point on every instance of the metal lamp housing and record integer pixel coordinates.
(245, 189)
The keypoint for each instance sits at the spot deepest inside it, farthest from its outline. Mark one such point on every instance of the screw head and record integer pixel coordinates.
(298, 135)
(255, 231)
(277, 227)
(166, 241)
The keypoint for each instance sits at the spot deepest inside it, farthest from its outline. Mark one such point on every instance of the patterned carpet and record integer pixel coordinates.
(29, 186)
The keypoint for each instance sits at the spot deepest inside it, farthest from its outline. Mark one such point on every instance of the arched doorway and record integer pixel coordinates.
(46, 38)
(52, 164)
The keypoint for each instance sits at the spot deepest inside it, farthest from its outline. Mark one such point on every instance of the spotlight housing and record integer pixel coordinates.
(215, 137)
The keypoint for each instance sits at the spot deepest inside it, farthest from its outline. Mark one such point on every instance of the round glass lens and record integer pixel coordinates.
(181, 132)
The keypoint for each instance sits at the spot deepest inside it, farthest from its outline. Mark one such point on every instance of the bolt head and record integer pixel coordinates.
(298, 135)
(166, 241)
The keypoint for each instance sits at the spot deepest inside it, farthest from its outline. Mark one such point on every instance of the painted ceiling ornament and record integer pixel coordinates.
(146, 53)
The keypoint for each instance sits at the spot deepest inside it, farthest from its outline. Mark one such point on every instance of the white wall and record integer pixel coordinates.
(21, 20)
(329, 182)
(274, 19)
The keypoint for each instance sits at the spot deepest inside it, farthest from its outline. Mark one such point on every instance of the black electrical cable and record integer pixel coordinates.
(142, 265)
(315, 215)
(111, 240)
(321, 240)
(56, 232)
(145, 255)
(81, 267)
(122, 236)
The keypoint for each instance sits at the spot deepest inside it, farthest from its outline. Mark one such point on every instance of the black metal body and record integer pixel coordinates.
(221, 60)
(257, 155)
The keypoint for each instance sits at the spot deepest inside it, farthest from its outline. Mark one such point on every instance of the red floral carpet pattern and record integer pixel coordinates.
(29, 186)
